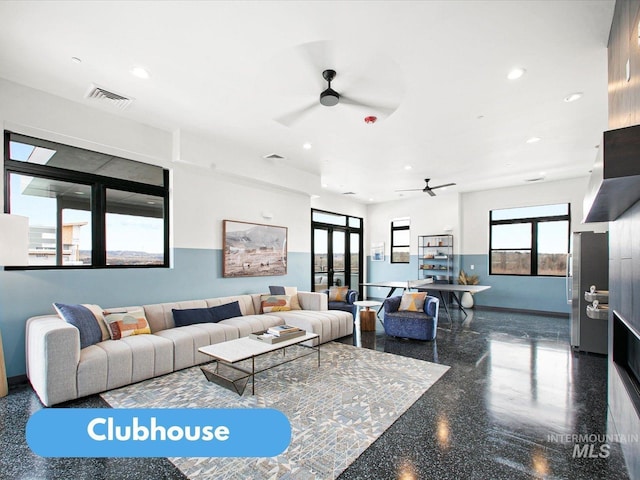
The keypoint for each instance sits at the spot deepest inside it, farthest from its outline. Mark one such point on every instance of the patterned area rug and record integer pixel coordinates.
(336, 411)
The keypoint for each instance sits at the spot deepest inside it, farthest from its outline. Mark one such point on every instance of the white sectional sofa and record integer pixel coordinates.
(59, 370)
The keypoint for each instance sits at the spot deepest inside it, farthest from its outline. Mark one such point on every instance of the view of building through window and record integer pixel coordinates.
(62, 217)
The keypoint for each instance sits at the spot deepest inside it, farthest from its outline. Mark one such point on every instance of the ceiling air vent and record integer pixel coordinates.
(273, 156)
(348, 193)
(537, 179)
(98, 93)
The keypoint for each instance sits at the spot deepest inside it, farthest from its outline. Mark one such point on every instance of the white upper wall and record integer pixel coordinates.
(477, 205)
(339, 204)
(202, 196)
(429, 216)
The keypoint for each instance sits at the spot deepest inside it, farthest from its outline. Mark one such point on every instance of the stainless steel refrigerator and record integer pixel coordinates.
(589, 266)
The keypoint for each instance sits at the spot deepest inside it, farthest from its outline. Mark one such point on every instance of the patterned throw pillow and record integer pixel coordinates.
(412, 302)
(275, 303)
(126, 324)
(83, 318)
(291, 291)
(338, 294)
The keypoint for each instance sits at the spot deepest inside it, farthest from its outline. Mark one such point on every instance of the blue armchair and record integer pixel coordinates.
(347, 306)
(421, 325)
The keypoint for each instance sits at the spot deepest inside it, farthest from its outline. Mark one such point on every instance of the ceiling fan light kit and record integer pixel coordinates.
(329, 97)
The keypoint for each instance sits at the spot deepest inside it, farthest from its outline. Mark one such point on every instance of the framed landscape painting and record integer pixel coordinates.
(253, 249)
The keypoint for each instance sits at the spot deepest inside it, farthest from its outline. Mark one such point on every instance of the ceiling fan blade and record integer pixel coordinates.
(410, 190)
(431, 193)
(317, 55)
(384, 109)
(289, 119)
(443, 186)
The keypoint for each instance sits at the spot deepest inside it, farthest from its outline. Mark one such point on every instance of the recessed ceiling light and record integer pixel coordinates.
(79, 193)
(533, 139)
(408, 167)
(371, 199)
(324, 185)
(516, 73)
(306, 146)
(140, 72)
(543, 173)
(151, 202)
(76, 60)
(573, 97)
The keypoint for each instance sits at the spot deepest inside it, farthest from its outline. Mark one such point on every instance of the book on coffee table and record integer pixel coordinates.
(283, 330)
(265, 337)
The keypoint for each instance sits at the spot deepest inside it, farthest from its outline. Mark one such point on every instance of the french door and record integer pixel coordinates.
(336, 251)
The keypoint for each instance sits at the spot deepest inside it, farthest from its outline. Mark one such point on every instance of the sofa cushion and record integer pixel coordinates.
(253, 323)
(291, 291)
(329, 324)
(226, 310)
(160, 316)
(412, 302)
(84, 320)
(186, 341)
(125, 324)
(189, 316)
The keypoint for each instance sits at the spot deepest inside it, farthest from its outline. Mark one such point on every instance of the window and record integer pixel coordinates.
(529, 240)
(86, 209)
(400, 240)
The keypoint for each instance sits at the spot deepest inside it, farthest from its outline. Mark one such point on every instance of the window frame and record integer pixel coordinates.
(393, 245)
(98, 184)
(534, 221)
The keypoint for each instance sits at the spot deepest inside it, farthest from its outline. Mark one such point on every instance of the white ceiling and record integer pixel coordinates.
(231, 70)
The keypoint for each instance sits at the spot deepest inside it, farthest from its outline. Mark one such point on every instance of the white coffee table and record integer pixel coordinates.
(233, 351)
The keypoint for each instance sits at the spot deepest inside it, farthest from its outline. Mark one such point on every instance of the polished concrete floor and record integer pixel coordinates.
(505, 410)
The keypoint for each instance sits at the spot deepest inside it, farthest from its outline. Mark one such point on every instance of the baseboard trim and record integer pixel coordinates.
(522, 310)
(17, 380)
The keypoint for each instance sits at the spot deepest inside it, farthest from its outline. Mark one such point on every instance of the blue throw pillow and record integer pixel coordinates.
(228, 310)
(191, 316)
(84, 320)
(273, 290)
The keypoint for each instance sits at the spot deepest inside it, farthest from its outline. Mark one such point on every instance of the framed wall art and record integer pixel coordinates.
(253, 249)
(377, 251)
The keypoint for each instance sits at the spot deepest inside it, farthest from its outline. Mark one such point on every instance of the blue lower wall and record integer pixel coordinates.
(546, 294)
(197, 273)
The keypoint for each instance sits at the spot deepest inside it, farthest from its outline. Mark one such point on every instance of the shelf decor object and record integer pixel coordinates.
(435, 258)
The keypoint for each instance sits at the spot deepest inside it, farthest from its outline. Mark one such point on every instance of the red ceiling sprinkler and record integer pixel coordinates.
(370, 119)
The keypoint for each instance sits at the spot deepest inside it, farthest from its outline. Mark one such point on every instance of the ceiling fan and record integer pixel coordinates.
(329, 98)
(427, 188)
